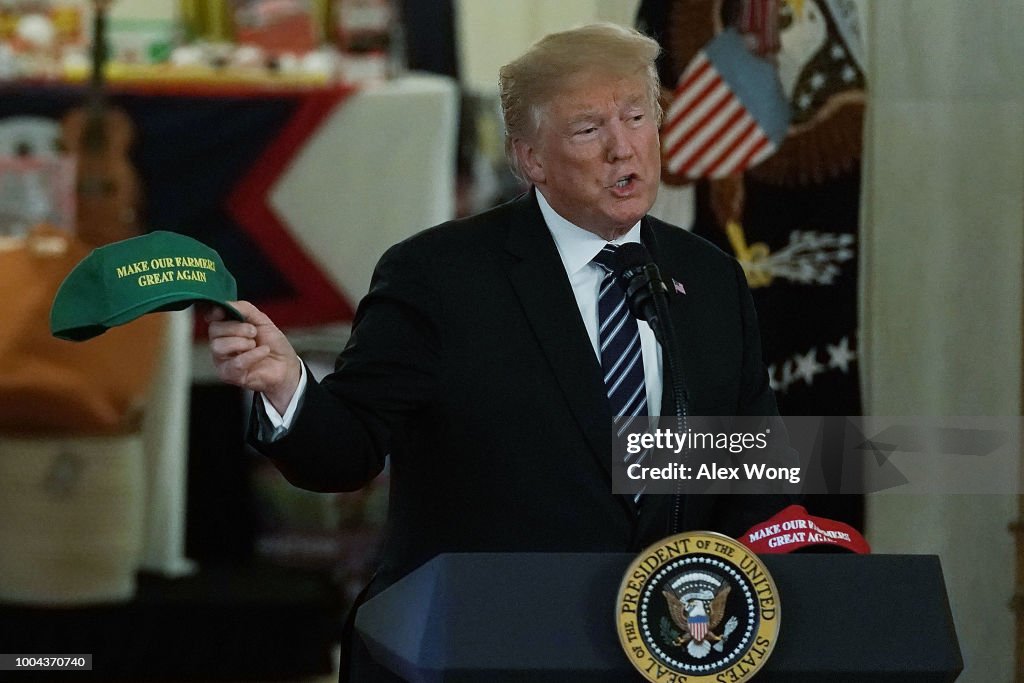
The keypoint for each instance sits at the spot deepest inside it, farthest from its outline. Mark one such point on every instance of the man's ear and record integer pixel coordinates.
(530, 160)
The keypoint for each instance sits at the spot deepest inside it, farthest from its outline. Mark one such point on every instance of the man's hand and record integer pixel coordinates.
(254, 354)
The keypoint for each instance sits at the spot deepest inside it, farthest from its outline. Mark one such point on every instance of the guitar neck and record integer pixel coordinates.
(96, 101)
(99, 45)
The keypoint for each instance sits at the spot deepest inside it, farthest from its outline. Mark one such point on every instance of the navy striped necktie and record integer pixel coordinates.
(621, 355)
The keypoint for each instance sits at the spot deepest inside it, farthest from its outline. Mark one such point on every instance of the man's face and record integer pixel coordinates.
(595, 155)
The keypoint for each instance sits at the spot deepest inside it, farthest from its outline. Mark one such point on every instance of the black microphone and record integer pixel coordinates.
(637, 274)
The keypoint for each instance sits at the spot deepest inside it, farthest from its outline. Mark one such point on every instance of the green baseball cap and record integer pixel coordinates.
(117, 283)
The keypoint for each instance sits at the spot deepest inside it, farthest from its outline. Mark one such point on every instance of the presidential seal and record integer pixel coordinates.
(698, 606)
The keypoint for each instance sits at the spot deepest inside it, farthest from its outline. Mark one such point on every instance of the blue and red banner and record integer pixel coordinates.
(208, 158)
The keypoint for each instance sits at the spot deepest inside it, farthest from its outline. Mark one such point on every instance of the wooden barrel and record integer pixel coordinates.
(71, 519)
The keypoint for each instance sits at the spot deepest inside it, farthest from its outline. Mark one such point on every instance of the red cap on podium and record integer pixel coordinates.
(794, 528)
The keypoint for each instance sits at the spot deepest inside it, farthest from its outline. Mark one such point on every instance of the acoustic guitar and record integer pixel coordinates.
(100, 136)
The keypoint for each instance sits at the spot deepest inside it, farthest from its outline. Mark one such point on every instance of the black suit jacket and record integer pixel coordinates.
(470, 365)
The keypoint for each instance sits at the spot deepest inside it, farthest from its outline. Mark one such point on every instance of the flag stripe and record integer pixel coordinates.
(759, 153)
(692, 105)
(725, 131)
(700, 71)
(684, 100)
(715, 167)
(698, 109)
(722, 165)
(708, 125)
(699, 167)
(733, 162)
(695, 70)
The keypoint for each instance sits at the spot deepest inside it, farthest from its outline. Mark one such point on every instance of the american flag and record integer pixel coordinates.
(698, 625)
(728, 112)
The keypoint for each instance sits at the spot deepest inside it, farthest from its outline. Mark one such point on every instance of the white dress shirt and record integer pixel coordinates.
(577, 248)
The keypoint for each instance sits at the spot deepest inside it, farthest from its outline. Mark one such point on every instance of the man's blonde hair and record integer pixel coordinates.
(534, 79)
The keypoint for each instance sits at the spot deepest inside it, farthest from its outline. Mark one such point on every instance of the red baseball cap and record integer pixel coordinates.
(794, 528)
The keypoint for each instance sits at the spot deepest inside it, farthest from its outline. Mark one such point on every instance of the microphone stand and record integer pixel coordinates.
(664, 332)
(645, 290)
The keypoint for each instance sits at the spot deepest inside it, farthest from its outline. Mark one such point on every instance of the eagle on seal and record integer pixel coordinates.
(695, 622)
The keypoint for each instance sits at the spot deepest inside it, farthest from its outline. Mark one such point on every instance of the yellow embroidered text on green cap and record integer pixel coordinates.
(117, 283)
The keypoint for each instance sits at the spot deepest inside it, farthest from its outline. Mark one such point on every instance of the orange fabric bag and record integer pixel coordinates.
(55, 387)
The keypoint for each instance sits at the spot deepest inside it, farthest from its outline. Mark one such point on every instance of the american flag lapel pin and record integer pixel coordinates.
(678, 286)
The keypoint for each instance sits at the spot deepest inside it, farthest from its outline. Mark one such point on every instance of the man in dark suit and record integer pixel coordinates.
(476, 359)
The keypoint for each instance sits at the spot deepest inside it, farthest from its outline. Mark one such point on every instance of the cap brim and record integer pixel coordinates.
(163, 303)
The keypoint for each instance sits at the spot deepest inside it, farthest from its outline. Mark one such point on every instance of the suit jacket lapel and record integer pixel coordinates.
(538, 277)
